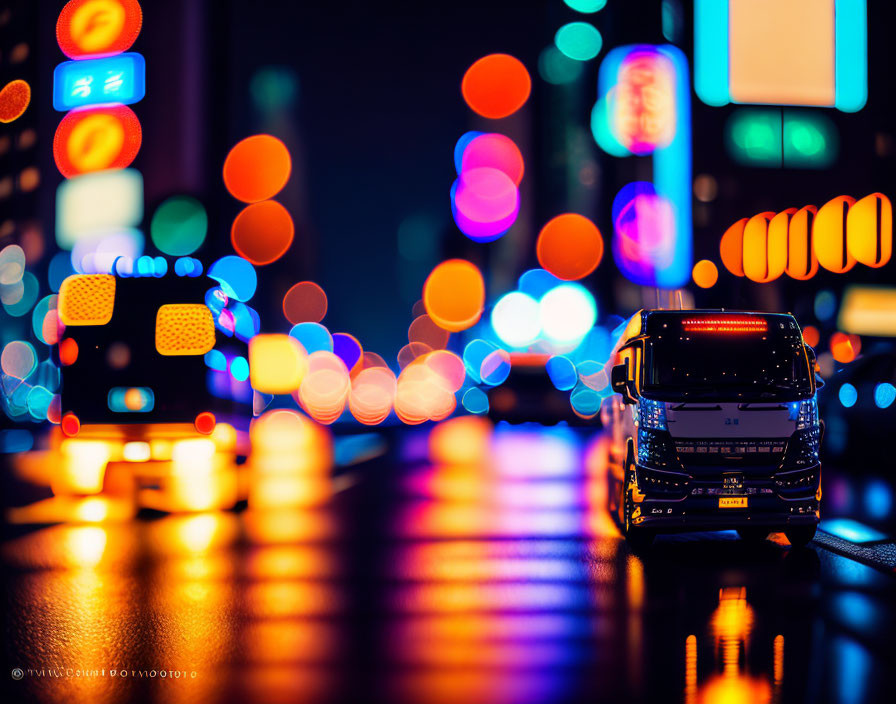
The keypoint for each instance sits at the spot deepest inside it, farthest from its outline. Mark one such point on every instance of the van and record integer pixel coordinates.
(713, 425)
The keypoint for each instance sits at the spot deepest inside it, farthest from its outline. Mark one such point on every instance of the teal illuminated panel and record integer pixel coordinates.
(711, 51)
(810, 140)
(851, 69)
(774, 138)
(753, 137)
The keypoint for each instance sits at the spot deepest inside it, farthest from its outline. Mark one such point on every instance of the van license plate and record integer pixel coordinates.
(732, 502)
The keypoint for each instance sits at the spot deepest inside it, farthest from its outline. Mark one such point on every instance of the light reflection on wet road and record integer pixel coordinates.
(439, 582)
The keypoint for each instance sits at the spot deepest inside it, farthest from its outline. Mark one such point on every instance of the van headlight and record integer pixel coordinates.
(652, 414)
(805, 413)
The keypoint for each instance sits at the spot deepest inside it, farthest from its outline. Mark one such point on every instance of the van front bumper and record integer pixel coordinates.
(768, 503)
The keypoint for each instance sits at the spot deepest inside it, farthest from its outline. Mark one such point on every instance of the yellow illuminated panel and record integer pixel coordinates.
(87, 299)
(277, 364)
(782, 52)
(732, 502)
(868, 310)
(184, 329)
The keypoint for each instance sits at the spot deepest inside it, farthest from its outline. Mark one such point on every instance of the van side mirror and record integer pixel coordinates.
(621, 383)
(813, 360)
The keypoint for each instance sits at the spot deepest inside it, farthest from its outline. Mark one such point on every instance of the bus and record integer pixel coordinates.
(713, 425)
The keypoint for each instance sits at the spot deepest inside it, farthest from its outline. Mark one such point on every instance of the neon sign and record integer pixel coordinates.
(87, 140)
(643, 103)
(801, 52)
(643, 107)
(117, 79)
(98, 27)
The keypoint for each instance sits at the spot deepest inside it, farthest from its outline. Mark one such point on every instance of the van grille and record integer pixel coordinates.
(730, 453)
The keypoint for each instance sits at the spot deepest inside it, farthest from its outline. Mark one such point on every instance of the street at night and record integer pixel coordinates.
(475, 352)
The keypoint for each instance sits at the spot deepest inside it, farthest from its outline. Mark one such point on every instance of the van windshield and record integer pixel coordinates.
(732, 357)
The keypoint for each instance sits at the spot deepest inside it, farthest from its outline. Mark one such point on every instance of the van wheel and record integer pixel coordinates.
(800, 536)
(753, 534)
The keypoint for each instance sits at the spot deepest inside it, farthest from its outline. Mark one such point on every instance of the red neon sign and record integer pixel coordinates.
(95, 139)
(98, 27)
(644, 102)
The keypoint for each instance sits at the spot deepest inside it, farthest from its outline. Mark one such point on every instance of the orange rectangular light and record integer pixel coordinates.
(782, 52)
(87, 299)
(184, 329)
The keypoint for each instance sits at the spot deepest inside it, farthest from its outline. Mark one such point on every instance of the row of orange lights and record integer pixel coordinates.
(836, 236)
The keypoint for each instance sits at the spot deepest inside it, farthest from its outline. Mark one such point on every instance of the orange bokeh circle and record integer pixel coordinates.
(15, 97)
(424, 330)
(262, 232)
(569, 246)
(845, 348)
(98, 27)
(257, 168)
(96, 139)
(454, 295)
(496, 85)
(305, 302)
(811, 336)
(705, 273)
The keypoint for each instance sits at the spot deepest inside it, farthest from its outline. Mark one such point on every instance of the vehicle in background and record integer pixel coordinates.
(714, 425)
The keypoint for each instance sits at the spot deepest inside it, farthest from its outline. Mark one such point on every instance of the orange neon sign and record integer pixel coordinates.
(98, 27)
(644, 102)
(95, 139)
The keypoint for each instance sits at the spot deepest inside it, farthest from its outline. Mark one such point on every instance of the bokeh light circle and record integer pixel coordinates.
(179, 226)
(475, 401)
(348, 349)
(515, 319)
(884, 394)
(424, 330)
(237, 277)
(98, 27)
(18, 359)
(14, 99)
(562, 372)
(811, 336)
(313, 337)
(569, 246)
(496, 151)
(567, 313)
(848, 395)
(586, 6)
(485, 203)
(557, 68)
(106, 137)
(372, 395)
(262, 232)
(257, 168)
(12, 264)
(845, 348)
(454, 295)
(325, 389)
(305, 302)
(579, 41)
(496, 85)
(705, 273)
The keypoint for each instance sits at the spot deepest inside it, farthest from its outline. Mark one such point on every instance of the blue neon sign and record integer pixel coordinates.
(657, 223)
(114, 79)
